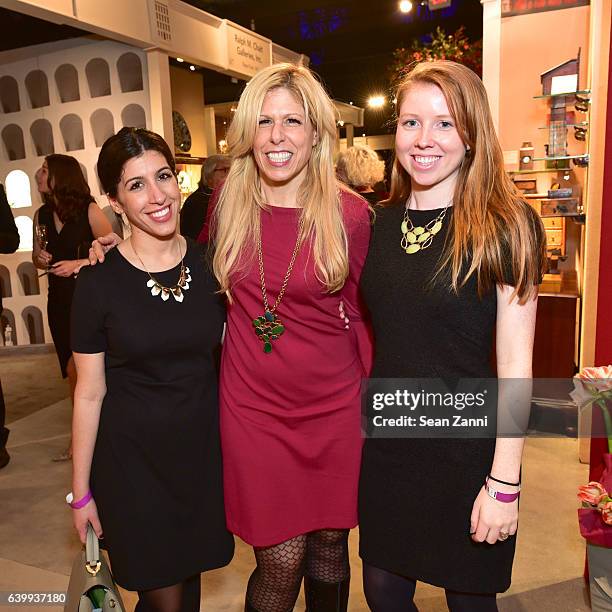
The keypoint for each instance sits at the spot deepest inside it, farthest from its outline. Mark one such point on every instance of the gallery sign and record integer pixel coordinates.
(247, 52)
(522, 7)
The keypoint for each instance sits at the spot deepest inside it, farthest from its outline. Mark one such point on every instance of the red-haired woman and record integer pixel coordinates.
(67, 222)
(456, 254)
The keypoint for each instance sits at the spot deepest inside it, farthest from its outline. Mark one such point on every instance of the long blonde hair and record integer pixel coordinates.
(491, 222)
(236, 219)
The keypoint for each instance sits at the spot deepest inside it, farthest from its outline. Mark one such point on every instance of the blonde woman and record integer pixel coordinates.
(360, 168)
(289, 244)
(426, 510)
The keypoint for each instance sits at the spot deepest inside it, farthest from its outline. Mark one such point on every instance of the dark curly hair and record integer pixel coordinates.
(69, 193)
(127, 143)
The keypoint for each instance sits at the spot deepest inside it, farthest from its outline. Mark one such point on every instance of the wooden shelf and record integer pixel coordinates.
(566, 286)
(561, 158)
(540, 171)
(566, 94)
(584, 124)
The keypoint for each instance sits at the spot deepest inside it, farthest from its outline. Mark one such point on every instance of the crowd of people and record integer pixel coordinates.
(305, 262)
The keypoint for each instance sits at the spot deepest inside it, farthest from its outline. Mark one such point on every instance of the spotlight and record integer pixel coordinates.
(180, 59)
(405, 6)
(192, 68)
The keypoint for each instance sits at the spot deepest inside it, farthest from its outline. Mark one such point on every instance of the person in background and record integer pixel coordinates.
(9, 241)
(64, 227)
(360, 168)
(193, 213)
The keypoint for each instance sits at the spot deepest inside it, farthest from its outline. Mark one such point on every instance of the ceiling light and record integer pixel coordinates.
(180, 59)
(192, 68)
(376, 101)
(405, 6)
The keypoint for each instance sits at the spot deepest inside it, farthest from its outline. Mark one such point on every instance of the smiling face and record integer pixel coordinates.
(428, 145)
(42, 178)
(149, 195)
(283, 140)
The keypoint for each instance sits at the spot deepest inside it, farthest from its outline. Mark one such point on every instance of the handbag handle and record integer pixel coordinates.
(92, 551)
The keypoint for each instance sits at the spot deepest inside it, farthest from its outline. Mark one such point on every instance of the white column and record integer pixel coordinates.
(599, 54)
(160, 95)
(350, 134)
(491, 54)
(210, 131)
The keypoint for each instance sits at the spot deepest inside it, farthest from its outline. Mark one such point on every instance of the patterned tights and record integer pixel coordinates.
(275, 583)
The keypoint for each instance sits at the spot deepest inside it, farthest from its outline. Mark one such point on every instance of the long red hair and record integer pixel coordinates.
(496, 234)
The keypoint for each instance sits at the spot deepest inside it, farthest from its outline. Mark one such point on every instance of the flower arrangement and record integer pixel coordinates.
(595, 496)
(593, 386)
(456, 47)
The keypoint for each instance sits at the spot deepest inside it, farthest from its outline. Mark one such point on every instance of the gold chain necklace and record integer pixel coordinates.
(175, 290)
(268, 326)
(418, 238)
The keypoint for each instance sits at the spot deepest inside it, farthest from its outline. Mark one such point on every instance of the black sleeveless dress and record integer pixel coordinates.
(416, 495)
(72, 242)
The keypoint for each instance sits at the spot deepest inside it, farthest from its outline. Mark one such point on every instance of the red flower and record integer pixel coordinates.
(606, 513)
(592, 494)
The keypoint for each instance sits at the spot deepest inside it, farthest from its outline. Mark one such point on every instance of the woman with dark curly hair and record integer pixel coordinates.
(64, 226)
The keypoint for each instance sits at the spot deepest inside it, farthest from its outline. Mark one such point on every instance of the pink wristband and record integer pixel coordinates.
(76, 505)
(505, 498)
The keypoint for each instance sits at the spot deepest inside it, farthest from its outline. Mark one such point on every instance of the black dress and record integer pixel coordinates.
(416, 495)
(156, 471)
(72, 242)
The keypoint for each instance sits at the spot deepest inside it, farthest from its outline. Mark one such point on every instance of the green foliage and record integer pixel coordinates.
(456, 47)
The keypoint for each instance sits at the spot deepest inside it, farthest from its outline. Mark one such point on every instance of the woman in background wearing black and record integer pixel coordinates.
(64, 226)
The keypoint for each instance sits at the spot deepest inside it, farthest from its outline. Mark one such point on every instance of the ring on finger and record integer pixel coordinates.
(503, 536)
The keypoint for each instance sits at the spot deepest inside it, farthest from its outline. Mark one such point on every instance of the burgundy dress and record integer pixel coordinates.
(290, 419)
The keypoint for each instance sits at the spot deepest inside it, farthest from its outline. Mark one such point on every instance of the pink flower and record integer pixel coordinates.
(606, 513)
(592, 494)
(598, 379)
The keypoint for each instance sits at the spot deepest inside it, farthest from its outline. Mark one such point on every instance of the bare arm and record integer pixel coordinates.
(88, 396)
(100, 225)
(515, 334)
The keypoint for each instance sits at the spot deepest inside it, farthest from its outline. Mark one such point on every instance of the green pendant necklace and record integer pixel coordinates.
(268, 326)
(418, 238)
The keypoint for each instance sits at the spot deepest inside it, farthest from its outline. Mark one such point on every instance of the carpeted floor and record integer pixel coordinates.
(37, 542)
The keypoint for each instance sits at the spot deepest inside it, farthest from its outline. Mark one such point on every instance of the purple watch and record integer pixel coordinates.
(505, 498)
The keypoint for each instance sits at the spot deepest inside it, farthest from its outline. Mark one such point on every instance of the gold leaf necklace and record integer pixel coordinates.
(418, 238)
(177, 290)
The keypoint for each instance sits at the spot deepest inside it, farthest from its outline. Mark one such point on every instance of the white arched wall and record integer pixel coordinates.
(67, 114)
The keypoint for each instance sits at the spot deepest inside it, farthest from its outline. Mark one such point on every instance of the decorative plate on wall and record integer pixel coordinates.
(182, 136)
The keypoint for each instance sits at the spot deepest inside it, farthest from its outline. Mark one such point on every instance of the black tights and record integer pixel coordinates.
(181, 597)
(388, 592)
(275, 583)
